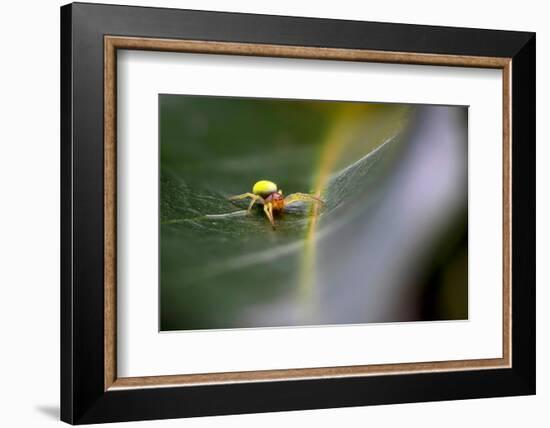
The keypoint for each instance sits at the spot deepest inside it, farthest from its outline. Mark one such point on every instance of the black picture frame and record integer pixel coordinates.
(83, 396)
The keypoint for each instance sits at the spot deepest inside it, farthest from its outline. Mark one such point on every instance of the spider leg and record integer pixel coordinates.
(302, 197)
(255, 198)
(268, 210)
(252, 202)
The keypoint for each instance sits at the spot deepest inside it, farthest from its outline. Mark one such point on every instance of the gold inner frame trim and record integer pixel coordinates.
(113, 43)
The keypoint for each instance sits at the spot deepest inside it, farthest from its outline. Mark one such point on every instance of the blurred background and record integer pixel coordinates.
(389, 245)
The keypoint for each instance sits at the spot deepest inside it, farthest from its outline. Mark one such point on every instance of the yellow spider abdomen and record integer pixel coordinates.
(264, 188)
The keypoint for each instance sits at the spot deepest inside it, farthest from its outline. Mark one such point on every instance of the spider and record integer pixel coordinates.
(267, 193)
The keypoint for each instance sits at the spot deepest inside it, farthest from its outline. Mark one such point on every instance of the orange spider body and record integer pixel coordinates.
(276, 200)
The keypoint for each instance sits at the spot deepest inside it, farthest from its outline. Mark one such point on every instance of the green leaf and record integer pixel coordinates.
(221, 265)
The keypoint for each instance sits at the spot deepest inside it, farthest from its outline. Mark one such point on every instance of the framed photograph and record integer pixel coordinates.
(266, 213)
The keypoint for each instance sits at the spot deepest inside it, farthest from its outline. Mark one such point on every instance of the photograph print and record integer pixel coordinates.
(286, 213)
